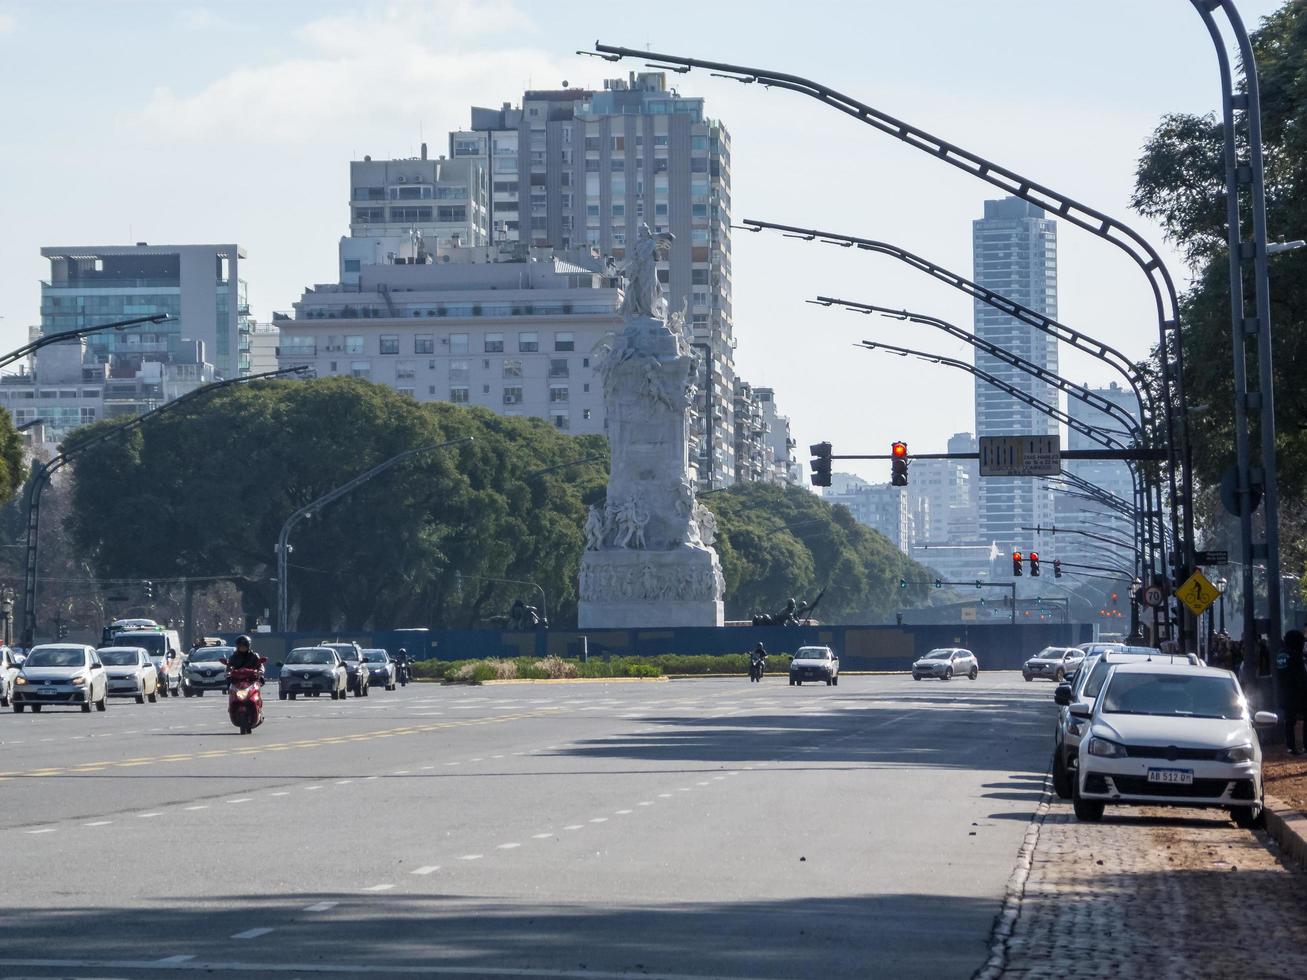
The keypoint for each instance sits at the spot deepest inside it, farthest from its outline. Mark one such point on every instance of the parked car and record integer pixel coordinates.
(1170, 735)
(1084, 688)
(946, 663)
(163, 646)
(313, 671)
(814, 664)
(130, 672)
(351, 654)
(9, 664)
(381, 669)
(1053, 662)
(204, 670)
(61, 673)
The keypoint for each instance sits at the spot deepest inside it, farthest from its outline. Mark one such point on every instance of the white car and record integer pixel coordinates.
(946, 663)
(1170, 735)
(61, 673)
(131, 674)
(9, 664)
(1054, 663)
(814, 664)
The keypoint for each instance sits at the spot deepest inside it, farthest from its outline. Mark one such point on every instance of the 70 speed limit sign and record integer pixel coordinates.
(1154, 596)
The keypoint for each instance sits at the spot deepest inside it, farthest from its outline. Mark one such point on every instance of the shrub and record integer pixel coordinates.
(557, 667)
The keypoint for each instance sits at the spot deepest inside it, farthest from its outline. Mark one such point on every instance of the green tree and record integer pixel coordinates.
(13, 462)
(1181, 183)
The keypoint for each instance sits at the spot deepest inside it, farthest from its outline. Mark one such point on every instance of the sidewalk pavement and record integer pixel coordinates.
(1158, 893)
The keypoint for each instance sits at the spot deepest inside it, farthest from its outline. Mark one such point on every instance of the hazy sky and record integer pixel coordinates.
(169, 122)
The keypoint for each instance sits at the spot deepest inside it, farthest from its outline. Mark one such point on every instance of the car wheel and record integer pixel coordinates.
(975, 671)
(18, 708)
(1061, 777)
(86, 707)
(140, 699)
(188, 692)
(291, 695)
(153, 696)
(1087, 810)
(835, 680)
(36, 709)
(1248, 817)
(199, 694)
(1028, 678)
(1060, 676)
(791, 682)
(281, 695)
(102, 703)
(948, 674)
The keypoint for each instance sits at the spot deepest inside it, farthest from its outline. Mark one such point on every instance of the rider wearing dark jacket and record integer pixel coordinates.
(244, 658)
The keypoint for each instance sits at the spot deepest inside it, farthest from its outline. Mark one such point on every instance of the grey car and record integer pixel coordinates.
(313, 671)
(205, 671)
(351, 654)
(381, 669)
(946, 663)
(59, 674)
(131, 673)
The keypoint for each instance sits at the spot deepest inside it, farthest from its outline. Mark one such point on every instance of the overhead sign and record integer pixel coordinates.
(1211, 557)
(1020, 455)
(1197, 593)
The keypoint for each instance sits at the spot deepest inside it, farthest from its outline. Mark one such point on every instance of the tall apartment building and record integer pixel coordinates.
(1015, 254)
(199, 285)
(512, 331)
(785, 467)
(753, 448)
(880, 506)
(1111, 475)
(576, 166)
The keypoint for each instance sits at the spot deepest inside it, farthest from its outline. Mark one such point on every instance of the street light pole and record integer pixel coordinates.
(283, 539)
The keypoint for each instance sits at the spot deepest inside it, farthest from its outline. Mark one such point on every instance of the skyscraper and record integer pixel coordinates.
(1015, 254)
(576, 166)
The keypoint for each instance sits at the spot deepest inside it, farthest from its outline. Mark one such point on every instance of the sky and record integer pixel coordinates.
(174, 122)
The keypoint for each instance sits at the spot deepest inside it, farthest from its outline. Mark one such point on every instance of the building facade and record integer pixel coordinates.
(514, 335)
(880, 506)
(572, 167)
(785, 466)
(1015, 254)
(198, 285)
(753, 448)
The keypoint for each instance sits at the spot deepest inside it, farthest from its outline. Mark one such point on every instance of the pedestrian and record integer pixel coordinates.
(1293, 689)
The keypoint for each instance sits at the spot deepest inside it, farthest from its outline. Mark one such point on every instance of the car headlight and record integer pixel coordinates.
(78, 681)
(1107, 750)
(1237, 753)
(20, 679)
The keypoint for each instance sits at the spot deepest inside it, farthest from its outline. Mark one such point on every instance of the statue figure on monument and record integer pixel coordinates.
(707, 525)
(595, 529)
(644, 294)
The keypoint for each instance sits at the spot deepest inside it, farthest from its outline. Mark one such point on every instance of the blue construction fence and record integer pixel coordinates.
(998, 646)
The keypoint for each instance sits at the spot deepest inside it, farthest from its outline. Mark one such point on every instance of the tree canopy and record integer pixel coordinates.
(1181, 183)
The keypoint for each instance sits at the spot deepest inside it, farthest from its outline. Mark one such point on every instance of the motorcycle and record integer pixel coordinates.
(402, 674)
(245, 699)
(756, 667)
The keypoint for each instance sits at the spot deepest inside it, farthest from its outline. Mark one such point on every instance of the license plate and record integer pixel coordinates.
(1184, 777)
(46, 690)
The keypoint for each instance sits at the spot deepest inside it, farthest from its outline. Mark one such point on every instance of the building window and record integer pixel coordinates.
(405, 371)
(585, 414)
(558, 367)
(389, 343)
(407, 391)
(458, 395)
(353, 343)
(513, 395)
(88, 415)
(494, 343)
(353, 265)
(459, 371)
(512, 368)
(370, 216)
(424, 343)
(562, 422)
(528, 343)
(292, 346)
(458, 343)
(564, 340)
(361, 369)
(557, 393)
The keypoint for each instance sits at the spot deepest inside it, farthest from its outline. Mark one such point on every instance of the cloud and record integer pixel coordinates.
(367, 73)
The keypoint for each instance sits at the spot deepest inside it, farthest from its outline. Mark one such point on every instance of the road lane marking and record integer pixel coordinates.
(146, 816)
(43, 830)
(99, 823)
(170, 960)
(573, 826)
(252, 933)
(309, 789)
(645, 803)
(321, 906)
(471, 857)
(426, 869)
(544, 836)
(378, 888)
(622, 813)
(507, 847)
(280, 792)
(343, 782)
(241, 799)
(598, 819)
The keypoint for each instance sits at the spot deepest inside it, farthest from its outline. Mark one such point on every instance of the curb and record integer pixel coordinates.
(1287, 826)
(1005, 922)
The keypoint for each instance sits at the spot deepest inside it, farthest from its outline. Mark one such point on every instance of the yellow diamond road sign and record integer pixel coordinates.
(1197, 593)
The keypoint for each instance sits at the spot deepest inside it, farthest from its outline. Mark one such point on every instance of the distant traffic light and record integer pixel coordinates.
(1057, 568)
(903, 583)
(1034, 564)
(939, 583)
(899, 464)
(147, 589)
(1016, 563)
(820, 464)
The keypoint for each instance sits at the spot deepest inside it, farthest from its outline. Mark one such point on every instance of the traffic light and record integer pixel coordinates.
(903, 583)
(939, 583)
(1057, 568)
(1034, 564)
(62, 630)
(899, 464)
(1016, 563)
(820, 464)
(147, 589)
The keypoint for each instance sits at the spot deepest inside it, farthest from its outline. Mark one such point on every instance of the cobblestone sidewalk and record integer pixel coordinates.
(1158, 893)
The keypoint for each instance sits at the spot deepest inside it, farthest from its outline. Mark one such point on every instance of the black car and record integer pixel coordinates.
(351, 654)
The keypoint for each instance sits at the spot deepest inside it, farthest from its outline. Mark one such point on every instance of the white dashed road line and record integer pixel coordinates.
(426, 869)
(252, 933)
(321, 906)
(378, 888)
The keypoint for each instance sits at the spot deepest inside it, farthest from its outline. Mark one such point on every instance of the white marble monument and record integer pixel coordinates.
(649, 559)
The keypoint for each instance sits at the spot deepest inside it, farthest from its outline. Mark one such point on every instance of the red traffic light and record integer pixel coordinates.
(1034, 556)
(898, 449)
(1016, 556)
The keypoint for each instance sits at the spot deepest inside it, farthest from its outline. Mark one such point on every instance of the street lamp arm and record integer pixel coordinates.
(57, 338)
(1116, 542)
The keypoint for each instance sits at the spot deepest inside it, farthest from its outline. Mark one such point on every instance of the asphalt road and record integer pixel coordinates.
(711, 828)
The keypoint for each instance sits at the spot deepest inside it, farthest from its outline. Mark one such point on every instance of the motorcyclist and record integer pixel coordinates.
(758, 659)
(401, 659)
(245, 658)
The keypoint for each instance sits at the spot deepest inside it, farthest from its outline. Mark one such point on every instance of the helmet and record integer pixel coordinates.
(402, 650)
(760, 649)
(243, 639)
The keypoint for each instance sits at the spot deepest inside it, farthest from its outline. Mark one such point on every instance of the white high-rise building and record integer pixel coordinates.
(785, 467)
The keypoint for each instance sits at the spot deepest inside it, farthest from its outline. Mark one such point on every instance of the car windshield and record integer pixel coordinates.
(206, 655)
(119, 658)
(375, 656)
(1050, 653)
(1143, 651)
(1173, 695)
(812, 653)
(346, 653)
(56, 657)
(310, 655)
(938, 655)
(155, 644)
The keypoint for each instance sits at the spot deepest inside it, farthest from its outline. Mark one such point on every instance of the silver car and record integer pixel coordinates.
(131, 673)
(9, 664)
(313, 671)
(1055, 663)
(946, 663)
(61, 673)
(205, 671)
(381, 669)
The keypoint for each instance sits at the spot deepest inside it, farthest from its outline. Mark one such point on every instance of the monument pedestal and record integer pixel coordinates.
(622, 589)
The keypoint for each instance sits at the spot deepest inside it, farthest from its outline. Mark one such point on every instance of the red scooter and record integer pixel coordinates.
(245, 699)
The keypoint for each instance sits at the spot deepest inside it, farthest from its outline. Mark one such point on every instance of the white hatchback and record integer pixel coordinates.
(1164, 735)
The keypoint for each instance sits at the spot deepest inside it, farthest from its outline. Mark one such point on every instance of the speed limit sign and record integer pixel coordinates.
(1154, 596)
